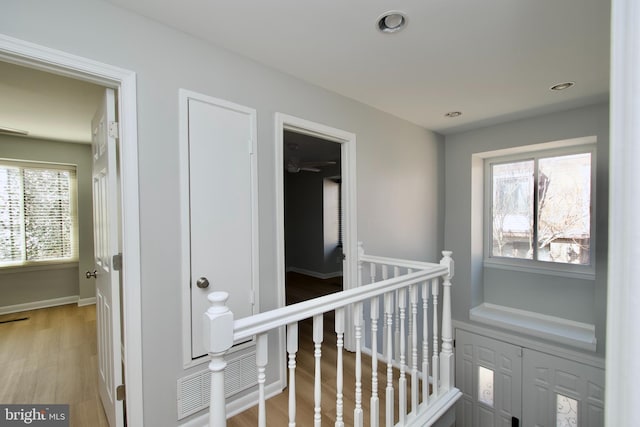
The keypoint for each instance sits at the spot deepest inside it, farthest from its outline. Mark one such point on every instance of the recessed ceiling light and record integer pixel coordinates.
(562, 86)
(392, 21)
(453, 114)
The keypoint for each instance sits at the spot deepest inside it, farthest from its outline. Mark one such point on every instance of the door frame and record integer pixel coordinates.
(42, 58)
(184, 96)
(350, 235)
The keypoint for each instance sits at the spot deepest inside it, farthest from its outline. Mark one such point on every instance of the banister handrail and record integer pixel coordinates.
(264, 322)
(412, 282)
(418, 265)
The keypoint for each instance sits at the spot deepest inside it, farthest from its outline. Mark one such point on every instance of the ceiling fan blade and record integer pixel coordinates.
(317, 164)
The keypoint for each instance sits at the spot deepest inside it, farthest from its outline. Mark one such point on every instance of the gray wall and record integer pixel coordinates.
(30, 285)
(580, 300)
(398, 168)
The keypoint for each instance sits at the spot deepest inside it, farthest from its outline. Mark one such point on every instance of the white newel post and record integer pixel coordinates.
(218, 339)
(446, 355)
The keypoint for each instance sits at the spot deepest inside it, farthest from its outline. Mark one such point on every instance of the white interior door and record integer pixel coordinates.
(489, 375)
(222, 208)
(106, 245)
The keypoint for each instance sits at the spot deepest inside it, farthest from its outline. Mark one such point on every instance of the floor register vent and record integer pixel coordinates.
(194, 390)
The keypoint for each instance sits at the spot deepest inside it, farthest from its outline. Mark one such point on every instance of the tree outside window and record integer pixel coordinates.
(541, 209)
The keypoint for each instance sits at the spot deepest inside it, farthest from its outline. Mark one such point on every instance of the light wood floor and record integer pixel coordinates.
(301, 288)
(50, 358)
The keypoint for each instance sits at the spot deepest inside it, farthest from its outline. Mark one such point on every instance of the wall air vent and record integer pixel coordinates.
(194, 390)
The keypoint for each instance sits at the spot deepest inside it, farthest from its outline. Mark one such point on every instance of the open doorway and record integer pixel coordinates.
(47, 263)
(312, 216)
(58, 63)
(347, 248)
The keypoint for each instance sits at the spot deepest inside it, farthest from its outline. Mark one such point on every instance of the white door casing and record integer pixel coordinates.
(51, 60)
(219, 212)
(347, 141)
(106, 245)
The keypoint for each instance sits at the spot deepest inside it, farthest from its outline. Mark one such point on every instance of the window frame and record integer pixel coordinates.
(533, 265)
(73, 201)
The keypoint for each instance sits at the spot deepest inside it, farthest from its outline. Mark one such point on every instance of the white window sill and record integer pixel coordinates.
(56, 265)
(527, 266)
(556, 329)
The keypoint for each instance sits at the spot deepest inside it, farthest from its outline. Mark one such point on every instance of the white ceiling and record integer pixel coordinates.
(494, 60)
(47, 105)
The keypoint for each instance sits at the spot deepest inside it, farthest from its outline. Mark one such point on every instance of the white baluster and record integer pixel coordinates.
(317, 340)
(358, 416)
(413, 298)
(410, 327)
(396, 333)
(435, 365)
(218, 339)
(372, 272)
(262, 350)
(425, 342)
(386, 347)
(446, 356)
(292, 349)
(389, 394)
(402, 382)
(375, 402)
(339, 328)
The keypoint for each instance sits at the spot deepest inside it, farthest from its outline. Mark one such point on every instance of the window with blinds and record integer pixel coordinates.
(38, 214)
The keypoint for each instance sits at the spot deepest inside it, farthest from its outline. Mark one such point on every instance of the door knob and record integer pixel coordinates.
(202, 283)
(90, 274)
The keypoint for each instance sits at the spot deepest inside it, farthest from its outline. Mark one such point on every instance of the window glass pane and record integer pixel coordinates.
(564, 208)
(47, 214)
(11, 232)
(512, 209)
(485, 386)
(37, 213)
(566, 411)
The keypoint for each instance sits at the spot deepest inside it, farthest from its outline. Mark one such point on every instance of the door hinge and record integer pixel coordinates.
(252, 297)
(113, 130)
(120, 392)
(250, 146)
(116, 262)
(454, 343)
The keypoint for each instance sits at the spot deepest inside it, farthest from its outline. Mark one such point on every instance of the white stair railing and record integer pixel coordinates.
(401, 331)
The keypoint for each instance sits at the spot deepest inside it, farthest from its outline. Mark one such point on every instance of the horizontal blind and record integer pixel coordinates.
(11, 225)
(39, 220)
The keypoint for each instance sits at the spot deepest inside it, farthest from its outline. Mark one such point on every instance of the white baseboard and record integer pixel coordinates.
(16, 308)
(315, 273)
(86, 301)
(239, 405)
